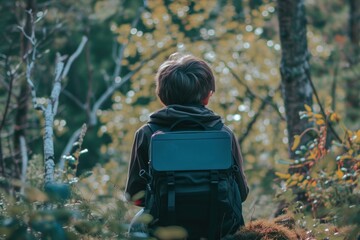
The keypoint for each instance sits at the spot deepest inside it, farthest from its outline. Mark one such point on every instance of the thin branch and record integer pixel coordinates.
(54, 97)
(31, 57)
(68, 147)
(74, 56)
(333, 88)
(252, 94)
(254, 119)
(321, 107)
(89, 69)
(24, 164)
(74, 99)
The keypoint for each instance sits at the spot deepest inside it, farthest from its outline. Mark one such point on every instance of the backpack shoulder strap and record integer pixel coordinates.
(156, 127)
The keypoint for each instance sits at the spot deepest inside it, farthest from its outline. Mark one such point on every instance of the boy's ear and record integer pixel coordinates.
(205, 101)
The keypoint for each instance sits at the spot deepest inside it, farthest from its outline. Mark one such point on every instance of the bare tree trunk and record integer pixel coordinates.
(295, 71)
(352, 82)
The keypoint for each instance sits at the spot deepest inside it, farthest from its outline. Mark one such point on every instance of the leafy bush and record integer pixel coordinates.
(322, 183)
(88, 206)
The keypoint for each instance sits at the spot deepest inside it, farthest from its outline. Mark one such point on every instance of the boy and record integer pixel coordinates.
(184, 85)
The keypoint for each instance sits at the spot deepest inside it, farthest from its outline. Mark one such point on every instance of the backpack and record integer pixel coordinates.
(191, 181)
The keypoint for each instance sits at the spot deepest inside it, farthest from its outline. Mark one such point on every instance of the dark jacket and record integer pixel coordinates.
(165, 117)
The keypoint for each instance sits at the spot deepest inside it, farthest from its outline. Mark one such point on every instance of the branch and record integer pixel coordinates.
(74, 56)
(68, 147)
(74, 99)
(321, 107)
(31, 56)
(254, 119)
(54, 97)
(333, 88)
(24, 165)
(252, 94)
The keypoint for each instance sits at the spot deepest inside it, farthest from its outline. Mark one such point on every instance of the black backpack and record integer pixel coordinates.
(191, 181)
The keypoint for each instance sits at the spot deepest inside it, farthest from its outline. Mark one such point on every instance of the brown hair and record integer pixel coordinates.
(184, 79)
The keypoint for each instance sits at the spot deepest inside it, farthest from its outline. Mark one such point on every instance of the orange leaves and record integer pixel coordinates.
(322, 170)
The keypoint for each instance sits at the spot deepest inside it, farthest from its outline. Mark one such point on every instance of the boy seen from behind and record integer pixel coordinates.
(184, 85)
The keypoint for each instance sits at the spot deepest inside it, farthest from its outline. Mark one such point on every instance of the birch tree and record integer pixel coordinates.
(49, 109)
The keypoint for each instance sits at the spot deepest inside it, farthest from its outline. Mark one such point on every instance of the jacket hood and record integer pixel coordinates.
(173, 113)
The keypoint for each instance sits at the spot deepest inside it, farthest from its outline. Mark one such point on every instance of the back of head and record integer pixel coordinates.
(184, 79)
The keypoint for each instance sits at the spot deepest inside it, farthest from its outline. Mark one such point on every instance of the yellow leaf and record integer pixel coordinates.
(334, 117)
(308, 108)
(296, 142)
(339, 173)
(282, 175)
(301, 177)
(305, 182)
(318, 116)
(320, 122)
(291, 184)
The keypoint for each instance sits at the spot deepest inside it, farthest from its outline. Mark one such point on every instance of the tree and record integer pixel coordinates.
(352, 81)
(295, 69)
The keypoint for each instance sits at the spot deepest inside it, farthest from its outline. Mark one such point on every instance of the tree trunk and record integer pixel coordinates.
(352, 82)
(294, 68)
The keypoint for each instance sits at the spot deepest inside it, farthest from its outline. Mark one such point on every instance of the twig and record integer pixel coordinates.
(24, 164)
(74, 56)
(321, 107)
(74, 99)
(68, 147)
(252, 94)
(253, 120)
(333, 87)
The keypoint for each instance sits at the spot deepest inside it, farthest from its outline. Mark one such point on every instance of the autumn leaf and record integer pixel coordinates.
(308, 108)
(292, 183)
(339, 173)
(283, 175)
(296, 143)
(313, 183)
(334, 117)
(318, 116)
(320, 122)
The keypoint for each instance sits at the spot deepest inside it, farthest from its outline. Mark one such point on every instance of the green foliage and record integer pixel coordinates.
(57, 214)
(87, 206)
